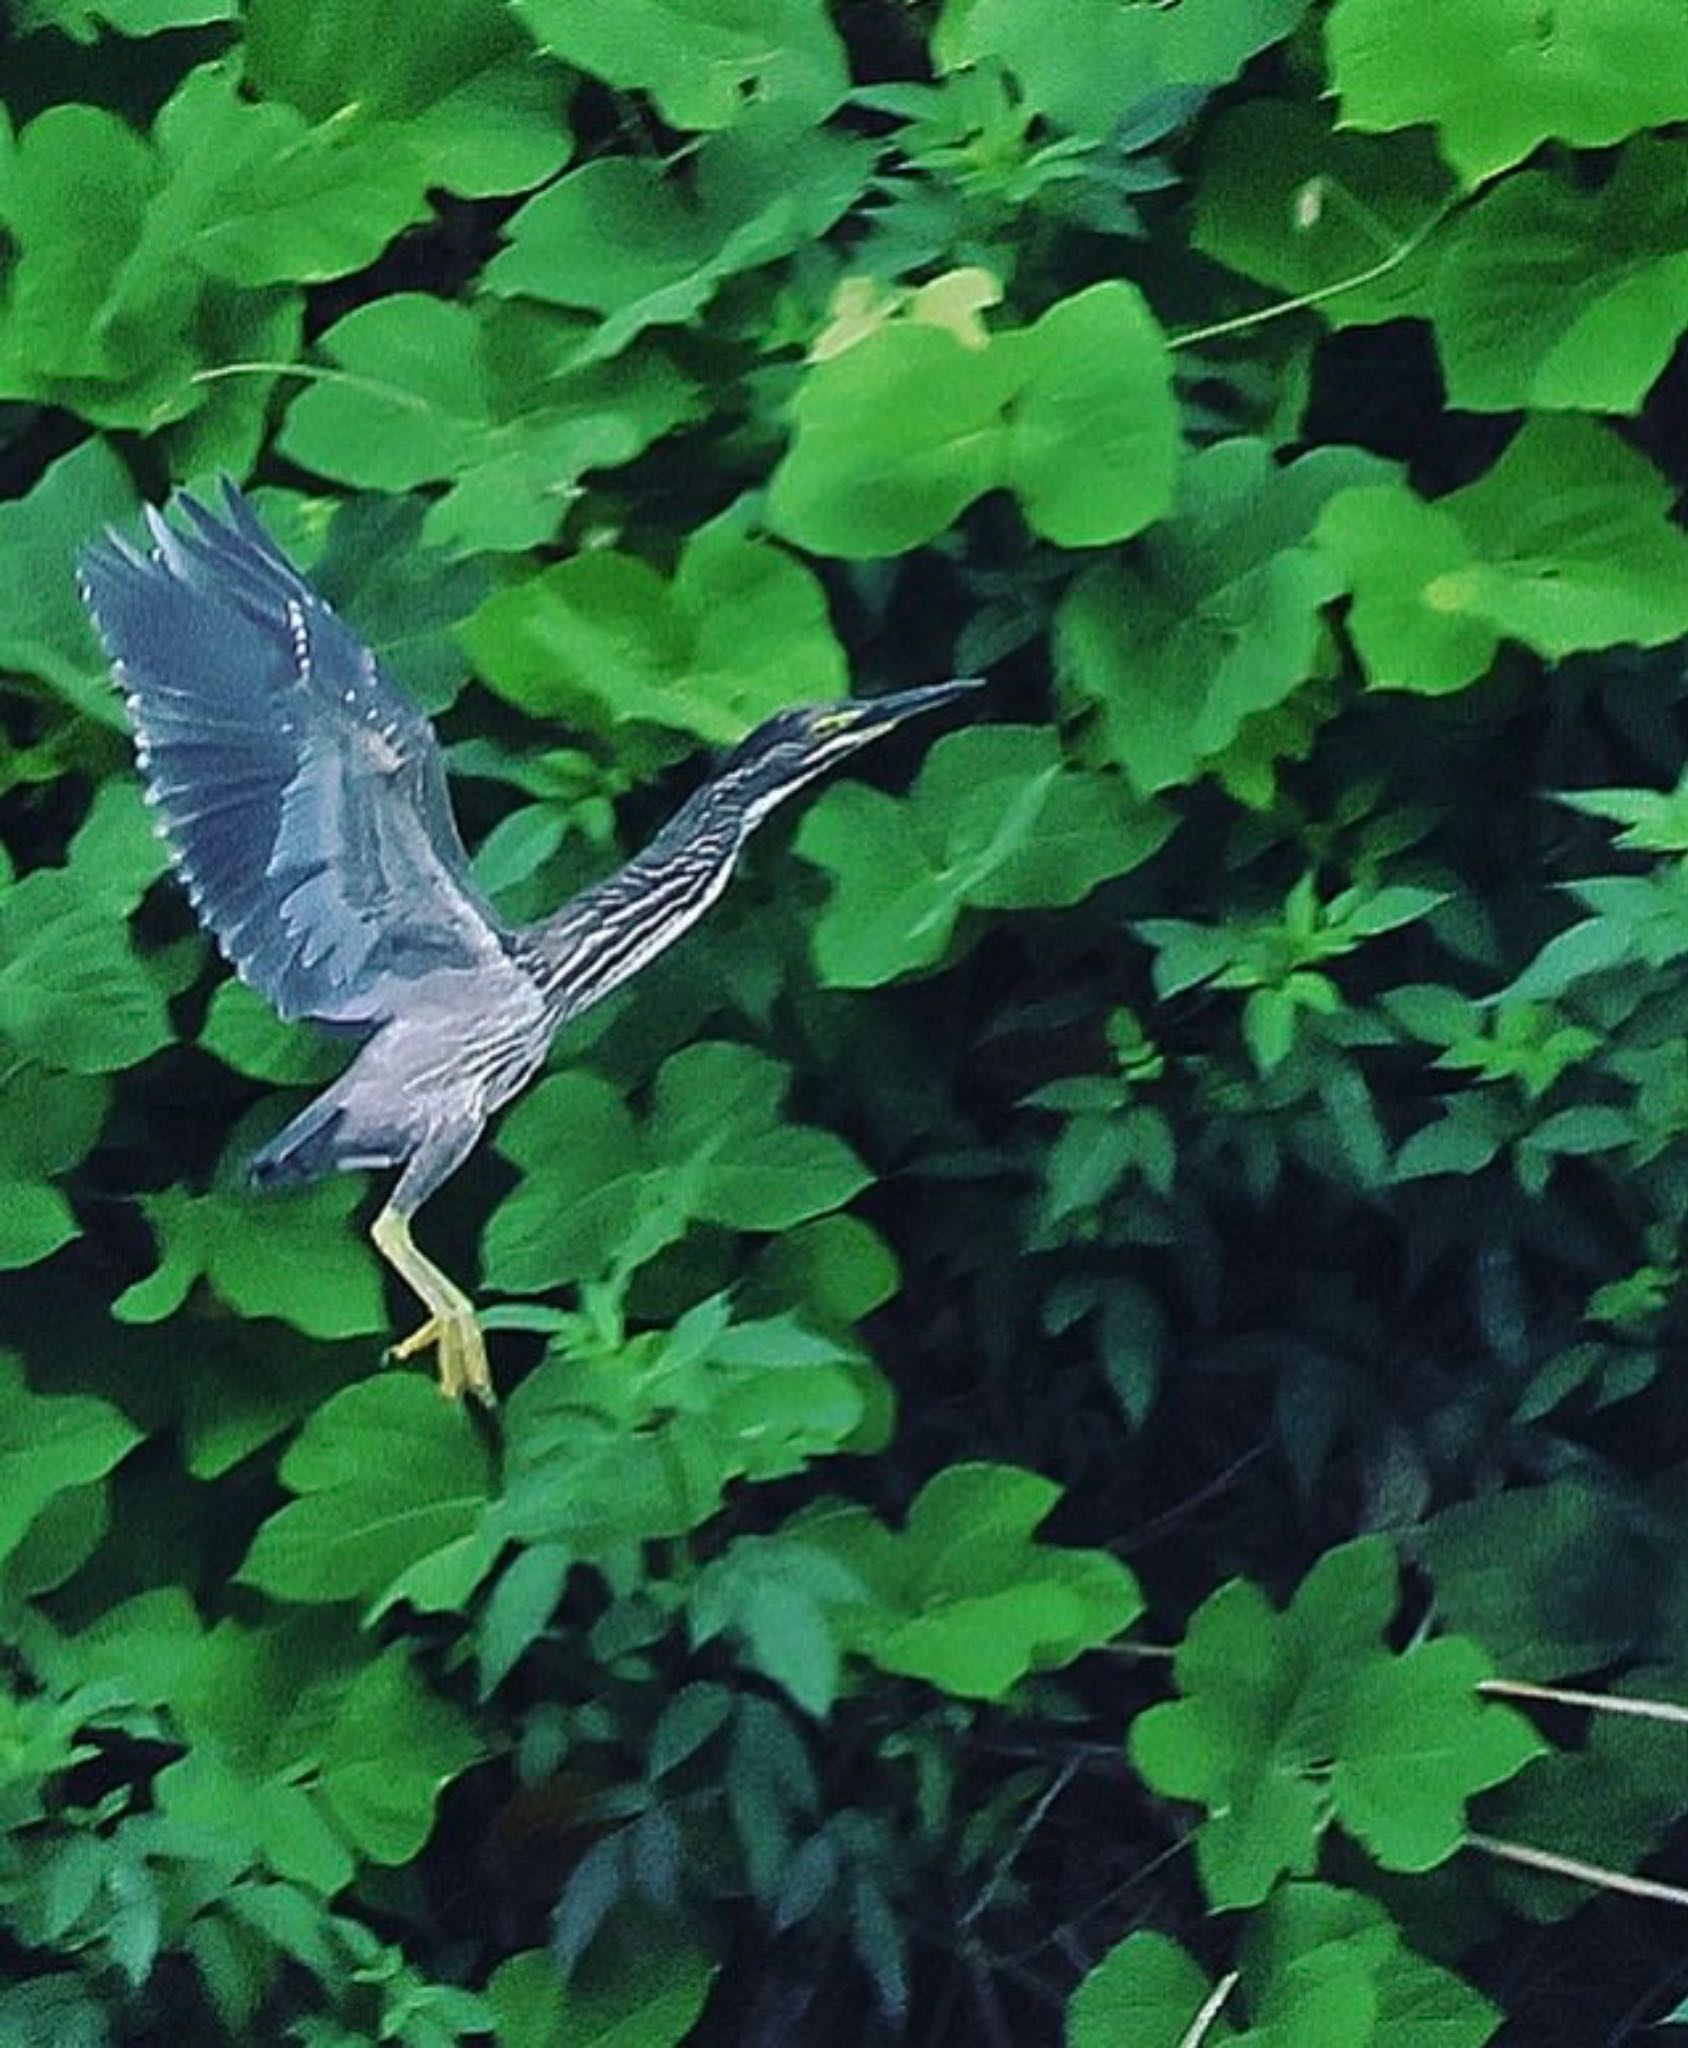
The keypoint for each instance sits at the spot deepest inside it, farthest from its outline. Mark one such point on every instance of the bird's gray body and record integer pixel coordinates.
(304, 800)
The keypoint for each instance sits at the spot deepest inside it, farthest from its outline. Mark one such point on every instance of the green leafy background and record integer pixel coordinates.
(1066, 1357)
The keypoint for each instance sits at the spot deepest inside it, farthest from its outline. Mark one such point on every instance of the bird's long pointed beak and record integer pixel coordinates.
(879, 714)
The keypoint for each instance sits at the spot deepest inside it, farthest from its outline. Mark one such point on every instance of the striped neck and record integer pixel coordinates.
(613, 930)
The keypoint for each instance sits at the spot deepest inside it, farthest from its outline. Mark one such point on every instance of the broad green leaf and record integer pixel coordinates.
(390, 1749)
(1550, 296)
(385, 1475)
(1565, 544)
(1552, 1579)
(243, 1385)
(1414, 1742)
(895, 439)
(1312, 1948)
(1216, 619)
(84, 19)
(265, 198)
(270, 1820)
(49, 1444)
(599, 1191)
(899, 433)
(1318, 214)
(619, 239)
(1088, 63)
(458, 88)
(1146, 1989)
(486, 399)
(774, 1594)
(1404, 561)
(80, 292)
(43, 629)
(74, 994)
(1610, 1801)
(1497, 77)
(704, 62)
(1576, 542)
(246, 1034)
(994, 820)
(579, 1151)
(295, 1257)
(1292, 1719)
(143, 262)
(48, 1123)
(649, 1997)
(964, 1596)
(642, 1442)
(1090, 447)
(831, 1272)
(600, 640)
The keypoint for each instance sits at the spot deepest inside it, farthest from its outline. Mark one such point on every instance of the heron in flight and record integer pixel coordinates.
(304, 801)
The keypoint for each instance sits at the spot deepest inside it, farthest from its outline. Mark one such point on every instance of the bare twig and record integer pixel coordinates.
(1596, 1702)
(1197, 2031)
(1578, 1871)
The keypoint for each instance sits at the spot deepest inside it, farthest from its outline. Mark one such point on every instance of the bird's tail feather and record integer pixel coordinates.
(301, 1150)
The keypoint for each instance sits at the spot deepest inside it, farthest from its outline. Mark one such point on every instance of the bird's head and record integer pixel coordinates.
(793, 747)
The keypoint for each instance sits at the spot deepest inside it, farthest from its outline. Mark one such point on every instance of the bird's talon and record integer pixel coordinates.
(462, 1360)
(418, 1340)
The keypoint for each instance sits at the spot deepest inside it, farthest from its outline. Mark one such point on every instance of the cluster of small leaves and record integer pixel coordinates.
(983, 1326)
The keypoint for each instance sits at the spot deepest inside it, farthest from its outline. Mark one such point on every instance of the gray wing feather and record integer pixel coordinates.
(302, 794)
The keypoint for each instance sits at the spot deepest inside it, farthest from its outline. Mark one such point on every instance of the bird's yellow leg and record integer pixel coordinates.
(451, 1326)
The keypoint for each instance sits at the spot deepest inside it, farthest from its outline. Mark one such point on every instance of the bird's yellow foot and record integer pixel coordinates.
(461, 1346)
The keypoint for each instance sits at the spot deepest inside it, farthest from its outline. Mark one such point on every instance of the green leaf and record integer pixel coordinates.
(44, 631)
(1497, 77)
(645, 1994)
(1146, 1989)
(83, 19)
(740, 631)
(269, 1819)
(386, 1475)
(492, 400)
(1414, 1742)
(704, 62)
(1216, 618)
(1610, 1801)
(774, 1593)
(640, 1442)
(1553, 297)
(268, 199)
(1552, 1580)
(1318, 214)
(246, 1034)
(1565, 544)
(900, 432)
(75, 202)
(73, 992)
(391, 1748)
(1324, 1966)
(598, 1191)
(458, 91)
(48, 1123)
(963, 1596)
(1291, 1720)
(994, 821)
(50, 1444)
(1088, 63)
(620, 239)
(293, 1256)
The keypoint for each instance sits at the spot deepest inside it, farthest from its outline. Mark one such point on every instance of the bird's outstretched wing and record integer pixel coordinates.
(303, 797)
